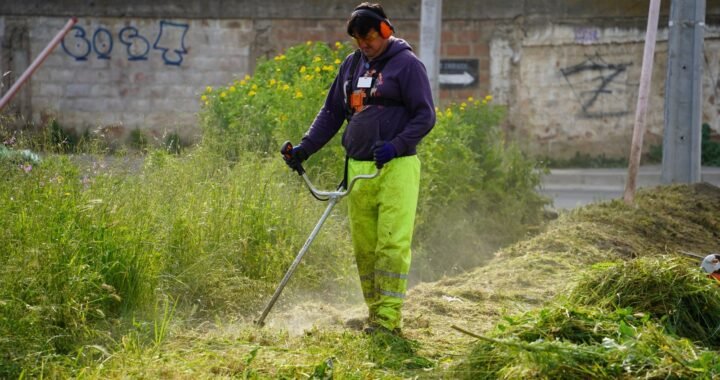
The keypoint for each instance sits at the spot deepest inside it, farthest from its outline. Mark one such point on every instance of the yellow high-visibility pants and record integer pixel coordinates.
(382, 218)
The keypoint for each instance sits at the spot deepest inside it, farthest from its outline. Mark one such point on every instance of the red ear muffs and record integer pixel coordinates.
(385, 29)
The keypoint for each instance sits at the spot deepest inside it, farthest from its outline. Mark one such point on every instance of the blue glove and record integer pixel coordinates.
(296, 156)
(383, 152)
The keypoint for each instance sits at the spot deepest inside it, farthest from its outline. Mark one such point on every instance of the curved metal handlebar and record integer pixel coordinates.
(325, 195)
(322, 195)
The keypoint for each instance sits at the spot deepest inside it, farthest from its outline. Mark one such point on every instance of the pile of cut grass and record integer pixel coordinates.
(646, 318)
(635, 306)
(677, 295)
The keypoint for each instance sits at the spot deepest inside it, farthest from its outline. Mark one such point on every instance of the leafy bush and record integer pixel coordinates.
(478, 192)
(258, 113)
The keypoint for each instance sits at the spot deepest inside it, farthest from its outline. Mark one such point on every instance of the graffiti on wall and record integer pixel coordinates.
(170, 41)
(597, 85)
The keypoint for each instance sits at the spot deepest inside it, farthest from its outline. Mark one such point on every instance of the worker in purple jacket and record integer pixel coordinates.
(384, 93)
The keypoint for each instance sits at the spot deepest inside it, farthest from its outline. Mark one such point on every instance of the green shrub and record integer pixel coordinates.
(478, 191)
(278, 103)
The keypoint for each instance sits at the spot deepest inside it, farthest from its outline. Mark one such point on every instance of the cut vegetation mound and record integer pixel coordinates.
(606, 292)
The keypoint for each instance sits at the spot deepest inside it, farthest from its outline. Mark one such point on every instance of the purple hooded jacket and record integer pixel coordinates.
(403, 78)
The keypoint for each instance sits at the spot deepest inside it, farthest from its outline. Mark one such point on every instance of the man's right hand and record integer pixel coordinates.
(294, 158)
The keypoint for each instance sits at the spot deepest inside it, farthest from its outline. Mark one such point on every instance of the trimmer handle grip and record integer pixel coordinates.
(293, 162)
(287, 147)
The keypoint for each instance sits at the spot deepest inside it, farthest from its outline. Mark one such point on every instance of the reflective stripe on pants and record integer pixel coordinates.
(382, 217)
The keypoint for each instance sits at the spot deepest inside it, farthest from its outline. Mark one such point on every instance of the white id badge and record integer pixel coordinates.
(365, 82)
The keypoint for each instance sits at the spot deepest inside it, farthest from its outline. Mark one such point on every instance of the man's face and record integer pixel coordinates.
(372, 44)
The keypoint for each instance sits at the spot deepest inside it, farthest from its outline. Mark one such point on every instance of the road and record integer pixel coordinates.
(570, 188)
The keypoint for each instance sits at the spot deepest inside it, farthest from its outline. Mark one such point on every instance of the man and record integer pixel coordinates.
(384, 93)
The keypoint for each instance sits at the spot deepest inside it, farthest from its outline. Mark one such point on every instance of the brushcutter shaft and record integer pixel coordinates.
(296, 262)
(332, 197)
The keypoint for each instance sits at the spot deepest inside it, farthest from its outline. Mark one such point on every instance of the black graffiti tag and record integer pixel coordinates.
(589, 91)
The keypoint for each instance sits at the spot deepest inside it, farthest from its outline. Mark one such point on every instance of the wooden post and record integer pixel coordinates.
(643, 94)
(37, 62)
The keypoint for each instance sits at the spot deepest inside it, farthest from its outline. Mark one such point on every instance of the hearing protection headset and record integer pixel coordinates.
(386, 28)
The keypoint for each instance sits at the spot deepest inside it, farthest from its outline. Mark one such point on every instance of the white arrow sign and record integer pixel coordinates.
(462, 79)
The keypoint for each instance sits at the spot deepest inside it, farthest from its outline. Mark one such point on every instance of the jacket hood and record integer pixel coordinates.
(395, 46)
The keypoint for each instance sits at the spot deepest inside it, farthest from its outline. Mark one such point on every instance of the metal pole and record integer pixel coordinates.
(36, 63)
(430, 34)
(331, 203)
(682, 138)
(641, 109)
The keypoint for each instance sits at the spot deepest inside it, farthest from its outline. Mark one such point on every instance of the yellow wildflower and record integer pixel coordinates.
(463, 105)
(233, 89)
(337, 61)
(298, 94)
(489, 98)
(302, 69)
(308, 43)
(207, 103)
(254, 87)
(243, 82)
(328, 68)
(247, 77)
(251, 93)
(470, 99)
(338, 45)
(203, 98)
(208, 89)
(272, 82)
(285, 87)
(317, 69)
(223, 94)
(316, 59)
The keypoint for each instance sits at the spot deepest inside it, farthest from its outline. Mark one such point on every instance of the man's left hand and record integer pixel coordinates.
(383, 152)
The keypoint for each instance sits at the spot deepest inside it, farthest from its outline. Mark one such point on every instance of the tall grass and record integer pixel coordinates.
(84, 247)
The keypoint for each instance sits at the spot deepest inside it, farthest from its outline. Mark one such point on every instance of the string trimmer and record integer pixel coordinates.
(332, 197)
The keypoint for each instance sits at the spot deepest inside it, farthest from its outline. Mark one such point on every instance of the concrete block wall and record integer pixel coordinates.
(566, 70)
(125, 74)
